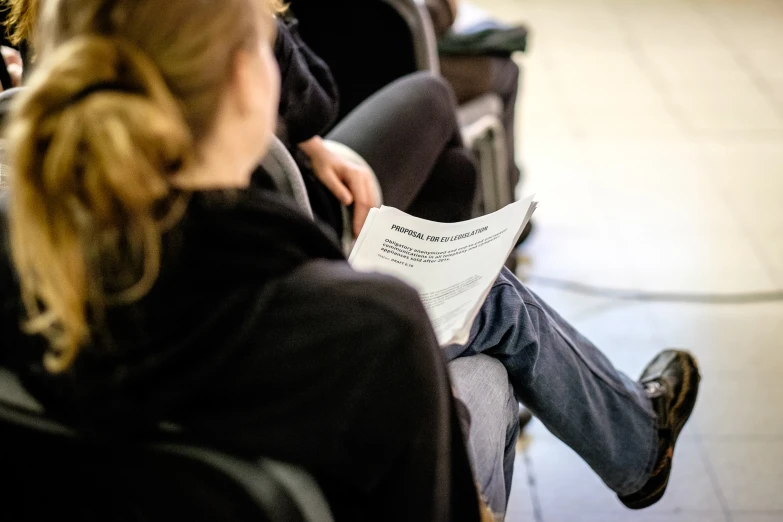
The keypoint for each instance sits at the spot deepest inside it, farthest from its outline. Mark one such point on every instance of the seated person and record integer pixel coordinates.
(310, 98)
(368, 46)
(176, 291)
(390, 132)
(154, 283)
(407, 133)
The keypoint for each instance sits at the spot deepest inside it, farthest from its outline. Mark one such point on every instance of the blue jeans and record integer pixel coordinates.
(567, 383)
(481, 383)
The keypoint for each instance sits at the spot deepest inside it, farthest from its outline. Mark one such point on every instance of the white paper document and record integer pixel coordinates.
(452, 265)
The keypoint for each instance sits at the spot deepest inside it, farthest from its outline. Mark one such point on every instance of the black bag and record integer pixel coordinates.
(485, 40)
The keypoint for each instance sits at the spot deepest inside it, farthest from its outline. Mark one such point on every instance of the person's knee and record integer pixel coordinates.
(483, 386)
(482, 383)
(429, 83)
(440, 89)
(432, 95)
(441, 98)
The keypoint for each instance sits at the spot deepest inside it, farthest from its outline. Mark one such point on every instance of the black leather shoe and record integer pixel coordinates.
(672, 383)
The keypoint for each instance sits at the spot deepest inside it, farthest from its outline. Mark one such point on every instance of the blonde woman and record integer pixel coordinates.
(143, 279)
(152, 284)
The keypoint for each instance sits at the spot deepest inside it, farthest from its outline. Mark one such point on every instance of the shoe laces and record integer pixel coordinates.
(654, 388)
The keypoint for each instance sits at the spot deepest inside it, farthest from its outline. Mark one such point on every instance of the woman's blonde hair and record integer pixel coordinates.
(124, 92)
(21, 20)
(277, 7)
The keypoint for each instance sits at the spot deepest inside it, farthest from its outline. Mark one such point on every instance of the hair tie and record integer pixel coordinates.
(101, 87)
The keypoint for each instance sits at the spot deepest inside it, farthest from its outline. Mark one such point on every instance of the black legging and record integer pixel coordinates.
(409, 135)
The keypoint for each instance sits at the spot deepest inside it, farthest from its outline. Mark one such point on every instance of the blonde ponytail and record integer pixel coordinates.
(278, 7)
(94, 141)
(21, 20)
(124, 93)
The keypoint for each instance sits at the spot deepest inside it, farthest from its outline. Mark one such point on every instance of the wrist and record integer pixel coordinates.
(313, 147)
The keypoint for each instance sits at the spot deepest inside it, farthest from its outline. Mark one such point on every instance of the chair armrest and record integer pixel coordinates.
(264, 481)
(13, 393)
(4, 168)
(482, 130)
(418, 20)
(487, 104)
(282, 168)
(303, 489)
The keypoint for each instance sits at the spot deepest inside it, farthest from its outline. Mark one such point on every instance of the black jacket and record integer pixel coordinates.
(259, 339)
(308, 94)
(308, 107)
(220, 267)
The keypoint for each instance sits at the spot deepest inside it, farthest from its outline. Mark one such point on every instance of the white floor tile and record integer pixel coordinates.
(652, 133)
(749, 473)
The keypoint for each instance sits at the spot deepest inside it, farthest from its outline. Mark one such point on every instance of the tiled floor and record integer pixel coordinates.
(652, 132)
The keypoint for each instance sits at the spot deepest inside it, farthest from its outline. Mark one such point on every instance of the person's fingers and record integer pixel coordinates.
(11, 56)
(359, 183)
(330, 179)
(15, 72)
(360, 213)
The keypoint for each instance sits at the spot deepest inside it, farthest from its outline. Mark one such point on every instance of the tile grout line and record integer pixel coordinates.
(750, 70)
(713, 479)
(672, 108)
(758, 512)
(597, 180)
(746, 228)
(538, 514)
(718, 189)
(565, 108)
(690, 135)
(661, 88)
(740, 58)
(649, 70)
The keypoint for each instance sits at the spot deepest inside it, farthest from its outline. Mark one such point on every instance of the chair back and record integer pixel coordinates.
(285, 174)
(367, 44)
(50, 471)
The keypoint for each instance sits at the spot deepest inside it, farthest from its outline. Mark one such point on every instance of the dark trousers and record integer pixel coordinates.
(408, 133)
